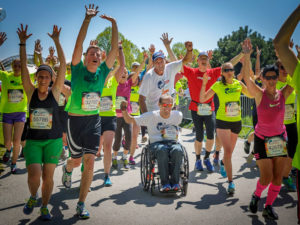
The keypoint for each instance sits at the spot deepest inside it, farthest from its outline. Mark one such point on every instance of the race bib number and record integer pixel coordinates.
(61, 100)
(135, 107)
(119, 99)
(204, 110)
(90, 101)
(170, 133)
(275, 146)
(106, 104)
(232, 109)
(15, 95)
(289, 113)
(41, 118)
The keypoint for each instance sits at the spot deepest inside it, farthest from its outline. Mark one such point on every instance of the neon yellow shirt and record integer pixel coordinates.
(134, 101)
(108, 98)
(229, 97)
(177, 87)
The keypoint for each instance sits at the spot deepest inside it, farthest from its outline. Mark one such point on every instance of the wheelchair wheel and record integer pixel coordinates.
(186, 164)
(184, 187)
(145, 169)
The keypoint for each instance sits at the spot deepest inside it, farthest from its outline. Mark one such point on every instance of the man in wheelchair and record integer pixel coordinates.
(163, 131)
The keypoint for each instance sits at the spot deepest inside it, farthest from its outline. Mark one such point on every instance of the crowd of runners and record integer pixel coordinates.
(94, 105)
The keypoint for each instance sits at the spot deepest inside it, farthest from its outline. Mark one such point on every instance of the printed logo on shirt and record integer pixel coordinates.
(201, 78)
(231, 90)
(161, 84)
(273, 105)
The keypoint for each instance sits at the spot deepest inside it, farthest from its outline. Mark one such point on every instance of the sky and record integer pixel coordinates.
(201, 21)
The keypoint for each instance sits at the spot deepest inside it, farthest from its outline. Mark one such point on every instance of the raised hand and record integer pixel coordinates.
(291, 43)
(93, 42)
(205, 78)
(145, 55)
(55, 33)
(165, 39)
(2, 37)
(108, 18)
(91, 11)
(152, 49)
(22, 33)
(210, 54)
(123, 105)
(247, 46)
(258, 52)
(188, 45)
(37, 47)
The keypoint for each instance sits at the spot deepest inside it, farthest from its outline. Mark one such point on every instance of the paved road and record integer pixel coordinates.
(126, 202)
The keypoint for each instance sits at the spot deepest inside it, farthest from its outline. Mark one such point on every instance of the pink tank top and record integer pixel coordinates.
(270, 115)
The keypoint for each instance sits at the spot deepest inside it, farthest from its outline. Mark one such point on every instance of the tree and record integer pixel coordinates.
(131, 51)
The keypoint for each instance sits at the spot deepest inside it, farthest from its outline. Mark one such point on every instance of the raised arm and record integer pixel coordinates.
(257, 63)
(140, 68)
(77, 53)
(167, 42)
(142, 103)
(236, 59)
(121, 60)
(27, 84)
(111, 57)
(282, 42)
(189, 53)
(150, 62)
(59, 82)
(37, 54)
(205, 95)
(128, 118)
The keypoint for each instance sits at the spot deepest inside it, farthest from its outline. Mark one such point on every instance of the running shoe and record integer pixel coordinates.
(126, 164)
(289, 184)
(250, 158)
(144, 139)
(231, 188)
(198, 165)
(222, 170)
(81, 211)
(107, 182)
(131, 160)
(45, 215)
(209, 166)
(247, 147)
(13, 168)
(166, 188)
(254, 203)
(176, 187)
(66, 178)
(6, 156)
(114, 165)
(269, 213)
(216, 159)
(31, 203)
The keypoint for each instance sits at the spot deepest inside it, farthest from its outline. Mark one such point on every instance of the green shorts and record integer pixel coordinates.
(43, 151)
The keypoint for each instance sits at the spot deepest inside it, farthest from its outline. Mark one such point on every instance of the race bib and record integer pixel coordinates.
(204, 110)
(232, 109)
(90, 101)
(289, 113)
(119, 99)
(170, 133)
(61, 100)
(135, 107)
(106, 104)
(41, 118)
(15, 95)
(275, 146)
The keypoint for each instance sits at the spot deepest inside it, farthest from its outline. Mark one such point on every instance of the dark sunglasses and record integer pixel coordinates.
(271, 77)
(228, 70)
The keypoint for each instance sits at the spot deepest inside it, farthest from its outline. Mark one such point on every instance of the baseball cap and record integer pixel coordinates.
(157, 55)
(203, 53)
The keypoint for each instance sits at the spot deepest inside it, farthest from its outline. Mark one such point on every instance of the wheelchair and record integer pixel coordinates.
(150, 178)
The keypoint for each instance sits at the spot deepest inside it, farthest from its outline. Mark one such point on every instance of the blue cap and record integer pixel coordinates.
(203, 53)
(157, 55)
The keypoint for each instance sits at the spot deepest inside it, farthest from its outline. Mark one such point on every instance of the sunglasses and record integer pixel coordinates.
(166, 105)
(228, 70)
(271, 77)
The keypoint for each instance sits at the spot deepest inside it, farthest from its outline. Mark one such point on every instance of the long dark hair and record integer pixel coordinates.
(223, 80)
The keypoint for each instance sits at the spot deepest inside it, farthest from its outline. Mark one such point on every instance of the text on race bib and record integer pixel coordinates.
(41, 118)
(232, 109)
(119, 99)
(90, 101)
(275, 146)
(289, 113)
(204, 109)
(135, 107)
(15, 95)
(61, 100)
(170, 132)
(106, 104)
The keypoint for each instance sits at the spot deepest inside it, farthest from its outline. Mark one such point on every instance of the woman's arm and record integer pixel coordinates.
(204, 96)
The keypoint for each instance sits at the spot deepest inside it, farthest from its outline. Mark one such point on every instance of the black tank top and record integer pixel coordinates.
(44, 120)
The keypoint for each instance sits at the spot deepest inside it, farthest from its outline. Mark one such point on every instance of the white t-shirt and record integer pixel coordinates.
(154, 85)
(160, 129)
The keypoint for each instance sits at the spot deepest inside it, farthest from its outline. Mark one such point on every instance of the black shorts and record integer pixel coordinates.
(63, 117)
(234, 127)
(83, 135)
(260, 149)
(292, 141)
(108, 123)
(209, 122)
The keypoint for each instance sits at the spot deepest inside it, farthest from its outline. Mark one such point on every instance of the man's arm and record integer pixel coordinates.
(282, 42)
(142, 103)
(189, 53)
(236, 59)
(167, 42)
(128, 118)
(110, 60)
(77, 53)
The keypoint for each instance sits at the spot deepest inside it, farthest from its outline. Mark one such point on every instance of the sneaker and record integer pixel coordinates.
(222, 170)
(13, 168)
(45, 215)
(254, 203)
(231, 188)
(289, 184)
(107, 182)
(114, 165)
(126, 164)
(269, 213)
(250, 158)
(166, 188)
(144, 139)
(31, 203)
(209, 167)
(6, 156)
(82, 212)
(247, 147)
(131, 160)
(216, 159)
(176, 187)
(66, 178)
(198, 165)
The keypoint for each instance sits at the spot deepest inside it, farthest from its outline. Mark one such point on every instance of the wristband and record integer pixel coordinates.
(22, 44)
